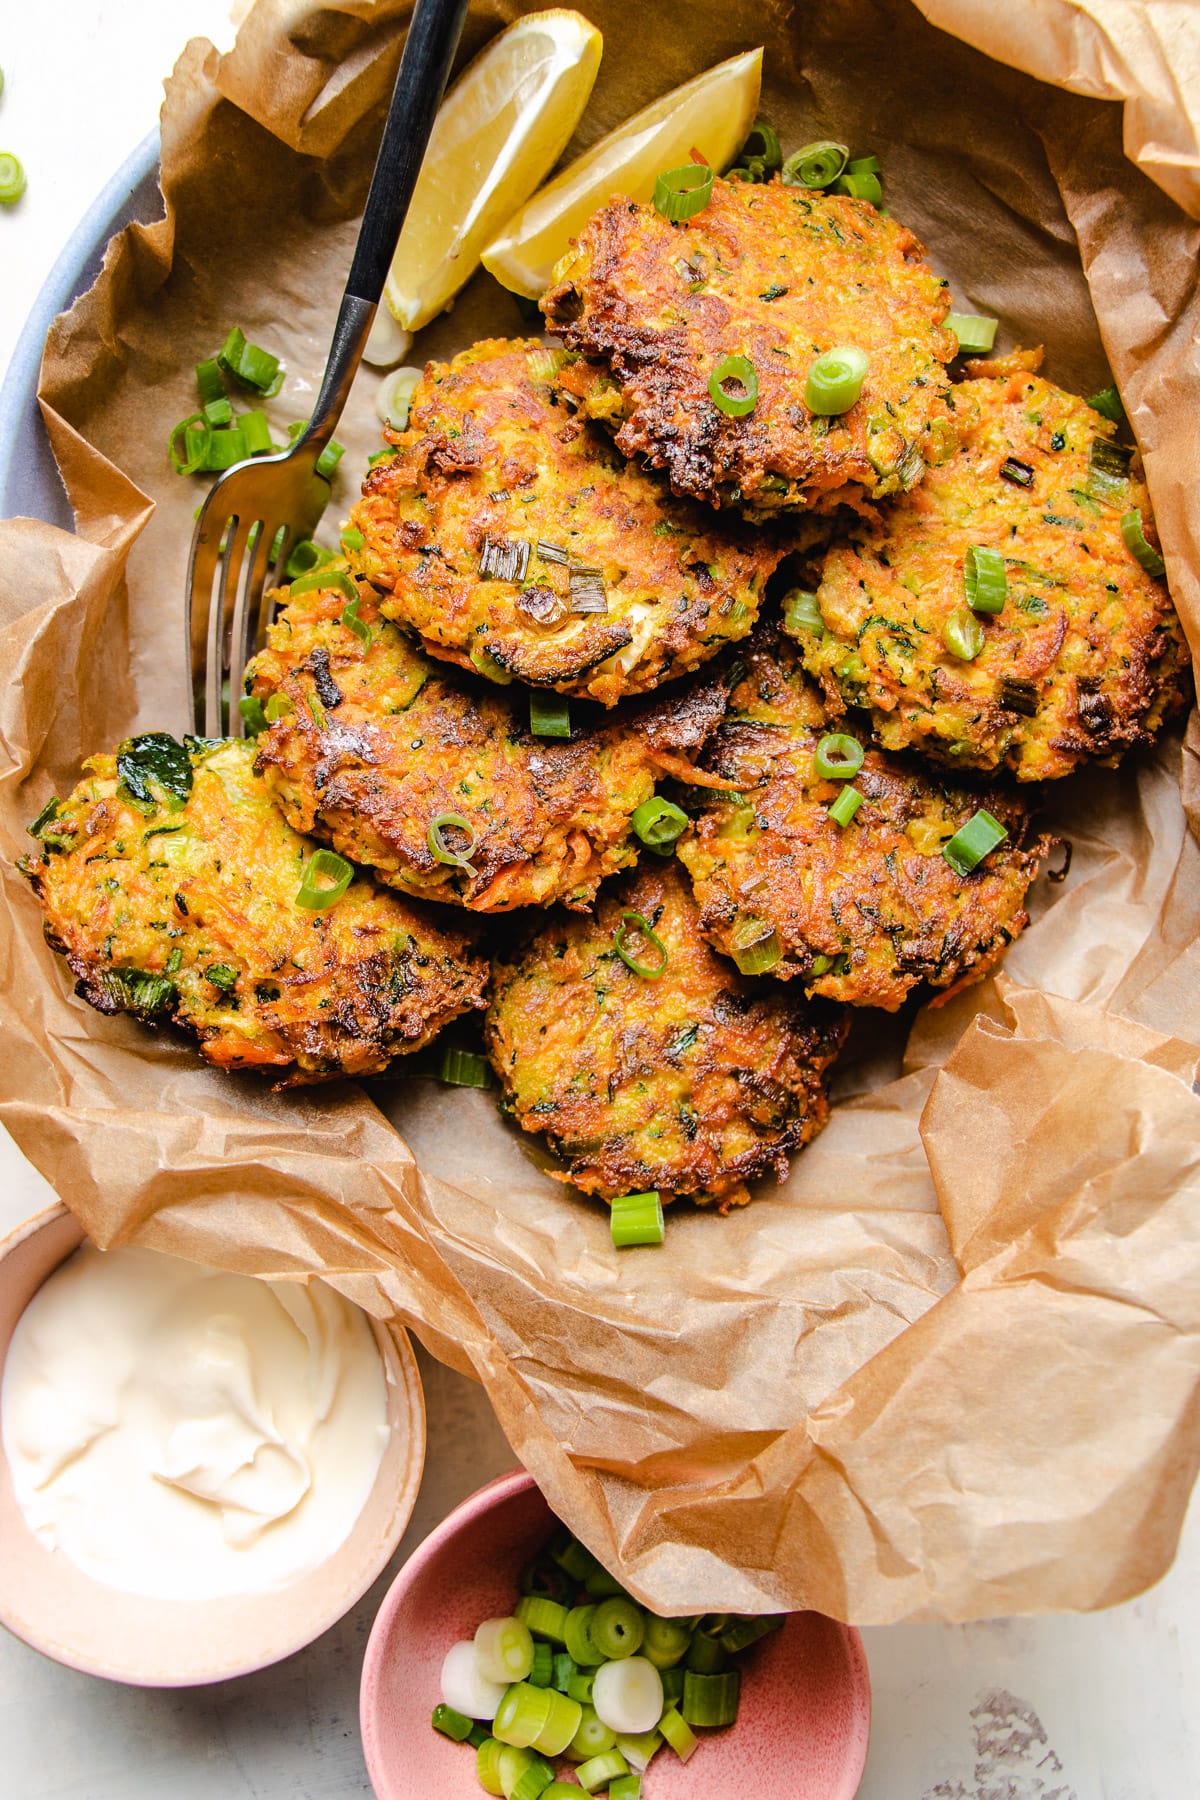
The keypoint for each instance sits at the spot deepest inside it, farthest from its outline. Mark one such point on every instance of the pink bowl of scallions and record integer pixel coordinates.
(507, 1660)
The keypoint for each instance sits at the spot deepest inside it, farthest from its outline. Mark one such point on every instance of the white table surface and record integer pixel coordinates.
(1094, 1708)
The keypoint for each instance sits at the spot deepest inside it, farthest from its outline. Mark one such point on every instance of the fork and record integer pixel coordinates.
(259, 510)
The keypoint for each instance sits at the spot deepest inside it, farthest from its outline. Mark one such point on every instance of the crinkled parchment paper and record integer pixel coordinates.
(950, 1369)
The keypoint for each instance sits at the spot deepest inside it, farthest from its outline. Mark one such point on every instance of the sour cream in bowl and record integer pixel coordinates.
(199, 1471)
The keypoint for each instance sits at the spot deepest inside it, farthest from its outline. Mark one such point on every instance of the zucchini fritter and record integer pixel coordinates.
(169, 882)
(863, 913)
(1087, 657)
(502, 517)
(691, 1083)
(377, 744)
(779, 275)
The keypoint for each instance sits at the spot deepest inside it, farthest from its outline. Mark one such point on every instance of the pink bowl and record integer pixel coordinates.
(806, 1702)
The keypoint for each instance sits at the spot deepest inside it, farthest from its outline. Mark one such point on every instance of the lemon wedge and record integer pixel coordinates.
(500, 130)
(713, 113)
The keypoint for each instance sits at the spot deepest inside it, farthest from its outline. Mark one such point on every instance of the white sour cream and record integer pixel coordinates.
(183, 1433)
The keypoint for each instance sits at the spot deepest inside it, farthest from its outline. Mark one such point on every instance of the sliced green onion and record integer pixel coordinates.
(326, 580)
(221, 976)
(619, 1625)
(523, 1714)
(672, 1680)
(352, 539)
(564, 1669)
(962, 634)
(544, 364)
(1108, 471)
(219, 412)
(599, 1771)
(549, 715)
(1135, 543)
(658, 822)
(572, 1557)
(561, 1790)
(533, 1782)
(580, 1685)
(224, 448)
(682, 193)
(974, 331)
(843, 809)
(329, 459)
(835, 380)
(195, 432)
(303, 557)
(248, 364)
(593, 1737)
(512, 1764)
(817, 165)
(562, 1722)
(1019, 473)
(838, 757)
(278, 707)
(635, 921)
(443, 852)
(802, 613)
(762, 954)
(253, 716)
(864, 165)
(985, 579)
(256, 432)
(599, 1583)
(737, 369)
(861, 186)
(705, 1655)
(739, 1634)
(711, 1699)
(639, 1750)
(1108, 404)
(678, 1732)
(466, 1069)
(635, 1219)
(544, 1618)
(665, 1640)
(487, 1764)
(393, 403)
(763, 146)
(504, 1649)
(208, 382)
(352, 622)
(47, 816)
(478, 1734)
(626, 1787)
(541, 1669)
(451, 1724)
(12, 178)
(326, 879)
(973, 841)
(577, 1636)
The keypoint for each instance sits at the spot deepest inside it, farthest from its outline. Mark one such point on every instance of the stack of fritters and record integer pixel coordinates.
(671, 1030)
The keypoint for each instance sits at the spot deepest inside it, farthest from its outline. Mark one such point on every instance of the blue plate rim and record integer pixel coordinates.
(26, 466)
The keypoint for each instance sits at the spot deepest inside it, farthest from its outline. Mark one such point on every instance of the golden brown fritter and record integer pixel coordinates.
(169, 882)
(1086, 659)
(691, 1083)
(377, 743)
(502, 517)
(864, 913)
(779, 275)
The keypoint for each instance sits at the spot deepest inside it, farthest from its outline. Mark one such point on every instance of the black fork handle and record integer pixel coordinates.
(433, 35)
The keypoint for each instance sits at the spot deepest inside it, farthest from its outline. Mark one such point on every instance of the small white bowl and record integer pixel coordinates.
(59, 1610)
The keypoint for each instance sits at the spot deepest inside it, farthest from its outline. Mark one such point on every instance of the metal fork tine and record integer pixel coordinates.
(228, 567)
(244, 625)
(202, 573)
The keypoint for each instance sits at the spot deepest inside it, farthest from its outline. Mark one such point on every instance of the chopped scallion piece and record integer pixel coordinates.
(861, 186)
(816, 165)
(304, 557)
(962, 634)
(393, 402)
(577, 1636)
(682, 193)
(544, 1618)
(278, 707)
(619, 1625)
(323, 580)
(1108, 471)
(626, 1787)
(250, 365)
(13, 181)
(478, 1734)
(352, 622)
(634, 921)
(838, 757)
(585, 589)
(1108, 404)
(864, 165)
(742, 400)
(711, 1699)
(678, 1732)
(533, 1782)
(352, 539)
(835, 380)
(253, 716)
(985, 579)
(487, 1764)
(974, 331)
(326, 879)
(544, 364)
(635, 1219)
(219, 412)
(762, 954)
(593, 1737)
(564, 1669)
(208, 382)
(843, 809)
(1135, 543)
(802, 613)
(599, 1771)
(739, 1634)
(665, 1640)
(451, 1724)
(221, 976)
(973, 841)
(705, 1655)
(257, 433)
(549, 715)
(541, 1669)
(465, 1068)
(658, 822)
(1018, 472)
(329, 459)
(762, 146)
(442, 851)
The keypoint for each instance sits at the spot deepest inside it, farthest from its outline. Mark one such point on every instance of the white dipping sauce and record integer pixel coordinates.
(184, 1433)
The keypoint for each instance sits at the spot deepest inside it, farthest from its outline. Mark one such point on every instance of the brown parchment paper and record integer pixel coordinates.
(950, 1368)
